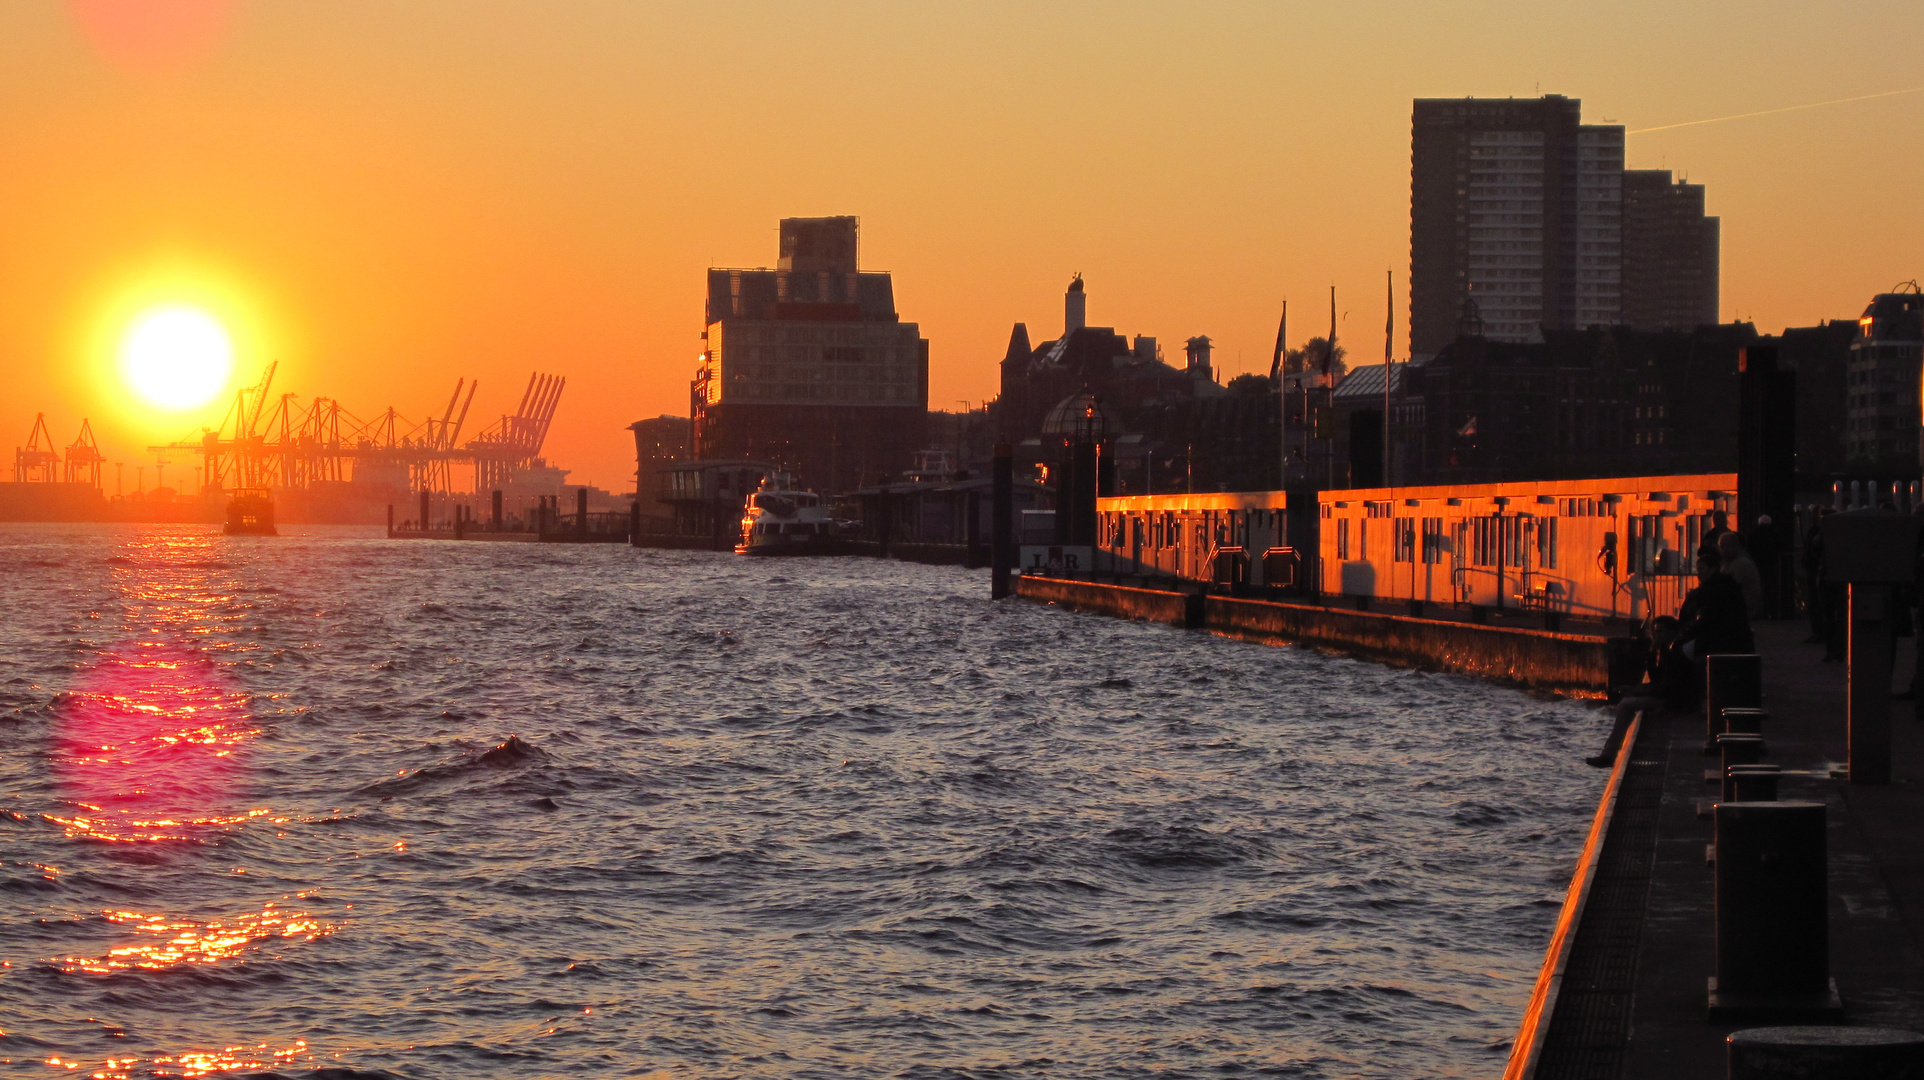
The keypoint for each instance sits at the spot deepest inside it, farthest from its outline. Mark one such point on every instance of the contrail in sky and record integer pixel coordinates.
(1767, 112)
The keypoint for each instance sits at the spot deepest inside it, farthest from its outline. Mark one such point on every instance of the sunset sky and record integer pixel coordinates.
(387, 196)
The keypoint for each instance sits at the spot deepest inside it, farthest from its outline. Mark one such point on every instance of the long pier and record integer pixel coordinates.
(1624, 990)
(1634, 995)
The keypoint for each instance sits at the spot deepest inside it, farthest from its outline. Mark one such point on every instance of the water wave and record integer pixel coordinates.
(514, 811)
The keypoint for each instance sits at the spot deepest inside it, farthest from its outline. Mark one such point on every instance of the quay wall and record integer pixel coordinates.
(1575, 664)
(1144, 605)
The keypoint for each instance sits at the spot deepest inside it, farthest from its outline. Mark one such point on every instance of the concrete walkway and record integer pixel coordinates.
(1876, 854)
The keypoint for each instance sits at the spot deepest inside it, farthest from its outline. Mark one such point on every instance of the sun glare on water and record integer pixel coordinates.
(176, 357)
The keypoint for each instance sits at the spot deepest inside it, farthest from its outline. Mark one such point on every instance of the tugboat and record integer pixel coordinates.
(250, 513)
(779, 520)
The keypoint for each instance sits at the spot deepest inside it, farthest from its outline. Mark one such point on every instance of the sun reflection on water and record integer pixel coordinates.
(194, 1062)
(191, 942)
(150, 748)
(147, 744)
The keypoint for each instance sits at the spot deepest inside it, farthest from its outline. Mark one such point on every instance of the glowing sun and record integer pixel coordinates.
(176, 357)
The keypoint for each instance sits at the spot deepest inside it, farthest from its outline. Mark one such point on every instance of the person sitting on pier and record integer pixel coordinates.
(1719, 528)
(1741, 568)
(1670, 681)
(1714, 615)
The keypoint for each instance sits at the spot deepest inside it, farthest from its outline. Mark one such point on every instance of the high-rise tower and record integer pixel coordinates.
(1515, 219)
(1670, 253)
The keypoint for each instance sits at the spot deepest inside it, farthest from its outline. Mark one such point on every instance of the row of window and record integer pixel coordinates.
(1164, 529)
(758, 332)
(761, 373)
(1655, 545)
(811, 354)
(759, 393)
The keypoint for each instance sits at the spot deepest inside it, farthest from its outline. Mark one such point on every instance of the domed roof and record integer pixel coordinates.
(1077, 416)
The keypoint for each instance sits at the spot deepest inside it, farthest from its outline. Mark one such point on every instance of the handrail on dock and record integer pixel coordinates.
(1528, 1047)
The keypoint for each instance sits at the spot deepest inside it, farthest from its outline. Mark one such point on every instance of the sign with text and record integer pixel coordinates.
(1057, 559)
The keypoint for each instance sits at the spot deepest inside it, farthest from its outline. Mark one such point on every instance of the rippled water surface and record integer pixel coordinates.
(493, 810)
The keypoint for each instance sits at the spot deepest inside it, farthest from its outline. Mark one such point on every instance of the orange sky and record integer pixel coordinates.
(387, 196)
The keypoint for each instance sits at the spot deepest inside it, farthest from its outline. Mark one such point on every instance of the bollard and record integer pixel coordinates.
(1737, 749)
(1861, 1053)
(1751, 783)
(1731, 680)
(1743, 719)
(1867, 680)
(495, 509)
(1773, 931)
(1002, 551)
(425, 506)
(1874, 554)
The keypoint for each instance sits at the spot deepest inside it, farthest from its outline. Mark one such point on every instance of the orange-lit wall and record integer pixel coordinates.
(1179, 535)
(1526, 544)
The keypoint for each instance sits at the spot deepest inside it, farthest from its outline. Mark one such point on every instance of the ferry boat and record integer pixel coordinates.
(250, 513)
(779, 520)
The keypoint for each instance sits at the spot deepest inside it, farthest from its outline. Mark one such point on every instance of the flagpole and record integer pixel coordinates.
(1389, 329)
(1329, 392)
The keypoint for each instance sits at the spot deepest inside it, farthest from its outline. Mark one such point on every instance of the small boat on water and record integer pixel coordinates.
(250, 513)
(777, 519)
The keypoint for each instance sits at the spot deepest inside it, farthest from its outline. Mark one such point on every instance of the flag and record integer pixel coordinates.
(1329, 351)
(1276, 362)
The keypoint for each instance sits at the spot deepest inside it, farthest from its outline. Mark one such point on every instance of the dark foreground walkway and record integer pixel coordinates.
(1634, 1002)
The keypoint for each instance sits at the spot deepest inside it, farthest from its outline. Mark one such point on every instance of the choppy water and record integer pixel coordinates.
(474, 810)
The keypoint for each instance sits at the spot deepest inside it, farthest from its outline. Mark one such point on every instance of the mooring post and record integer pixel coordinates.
(460, 521)
(1752, 783)
(1745, 720)
(1872, 551)
(425, 508)
(1862, 1053)
(1772, 911)
(581, 511)
(1868, 676)
(884, 518)
(496, 496)
(1731, 680)
(390, 521)
(634, 523)
(1001, 521)
(1739, 749)
(1083, 490)
(972, 529)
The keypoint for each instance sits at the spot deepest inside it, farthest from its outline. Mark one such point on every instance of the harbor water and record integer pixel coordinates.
(426, 810)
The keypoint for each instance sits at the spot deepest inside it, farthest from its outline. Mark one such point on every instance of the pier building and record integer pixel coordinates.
(809, 365)
(1613, 548)
(1182, 536)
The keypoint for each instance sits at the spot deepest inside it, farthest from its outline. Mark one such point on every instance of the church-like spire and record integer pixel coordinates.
(1018, 345)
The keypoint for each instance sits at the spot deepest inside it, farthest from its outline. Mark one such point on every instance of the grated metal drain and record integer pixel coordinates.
(1590, 1030)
